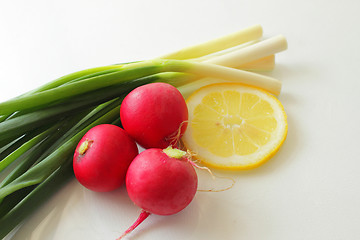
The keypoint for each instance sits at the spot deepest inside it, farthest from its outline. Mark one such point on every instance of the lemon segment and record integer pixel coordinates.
(233, 126)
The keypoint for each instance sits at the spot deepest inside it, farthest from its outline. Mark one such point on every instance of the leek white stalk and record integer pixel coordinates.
(267, 83)
(251, 53)
(231, 40)
(225, 51)
(206, 70)
(187, 89)
(262, 64)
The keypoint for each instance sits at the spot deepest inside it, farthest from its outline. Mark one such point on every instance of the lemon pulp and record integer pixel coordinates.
(234, 126)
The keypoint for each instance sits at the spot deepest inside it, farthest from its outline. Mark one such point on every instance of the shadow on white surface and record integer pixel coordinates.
(78, 213)
(44, 222)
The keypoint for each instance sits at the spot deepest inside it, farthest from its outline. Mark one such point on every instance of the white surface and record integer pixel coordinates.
(309, 190)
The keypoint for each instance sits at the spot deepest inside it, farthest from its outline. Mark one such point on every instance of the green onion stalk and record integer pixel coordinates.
(40, 129)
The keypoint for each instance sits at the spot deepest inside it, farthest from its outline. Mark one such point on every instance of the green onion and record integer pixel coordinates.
(22, 149)
(35, 198)
(7, 148)
(231, 40)
(66, 79)
(55, 135)
(73, 76)
(132, 72)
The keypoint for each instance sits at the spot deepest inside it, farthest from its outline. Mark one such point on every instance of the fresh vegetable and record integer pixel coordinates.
(27, 185)
(161, 182)
(155, 115)
(30, 202)
(251, 53)
(229, 41)
(232, 126)
(132, 72)
(39, 130)
(103, 156)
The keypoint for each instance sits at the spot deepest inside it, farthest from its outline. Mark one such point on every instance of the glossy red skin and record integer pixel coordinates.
(102, 168)
(159, 184)
(154, 113)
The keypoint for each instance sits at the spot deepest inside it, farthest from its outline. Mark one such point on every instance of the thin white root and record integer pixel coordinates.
(220, 190)
(202, 168)
(190, 158)
(174, 138)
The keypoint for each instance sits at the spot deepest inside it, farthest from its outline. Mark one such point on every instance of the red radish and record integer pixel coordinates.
(155, 115)
(103, 156)
(161, 182)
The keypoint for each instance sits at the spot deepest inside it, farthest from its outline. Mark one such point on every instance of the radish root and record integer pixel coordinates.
(143, 215)
(220, 190)
(189, 155)
(174, 138)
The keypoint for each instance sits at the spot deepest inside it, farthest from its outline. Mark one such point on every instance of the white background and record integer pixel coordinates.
(309, 190)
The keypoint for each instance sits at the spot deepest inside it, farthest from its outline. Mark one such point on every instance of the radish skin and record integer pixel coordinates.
(102, 158)
(155, 115)
(161, 182)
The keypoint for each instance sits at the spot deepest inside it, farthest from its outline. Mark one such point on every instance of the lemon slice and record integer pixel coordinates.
(233, 126)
